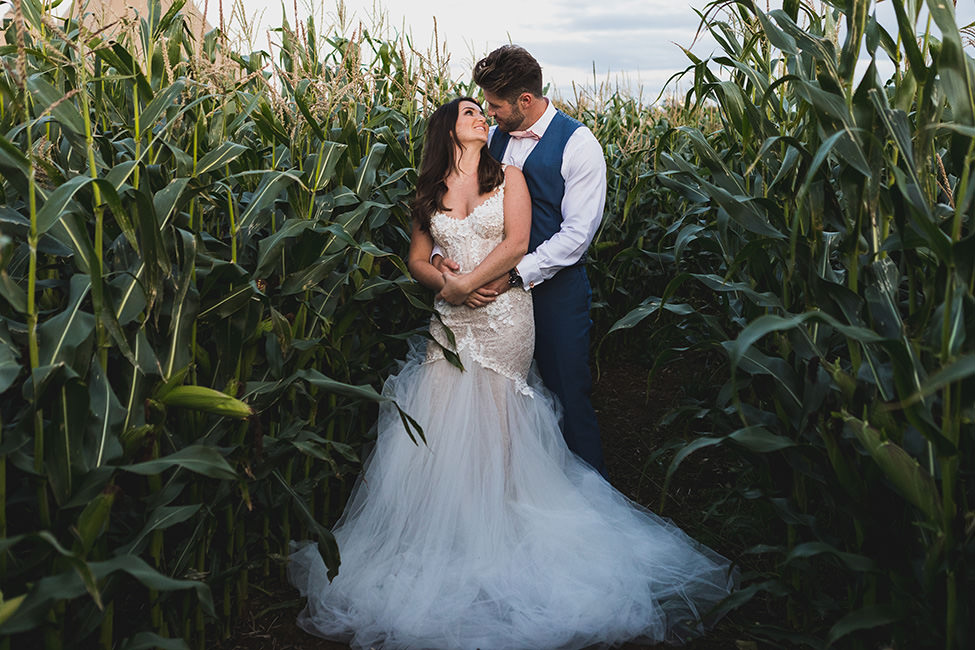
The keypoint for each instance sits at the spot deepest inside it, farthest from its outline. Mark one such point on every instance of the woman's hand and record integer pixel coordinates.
(455, 289)
(481, 298)
(488, 293)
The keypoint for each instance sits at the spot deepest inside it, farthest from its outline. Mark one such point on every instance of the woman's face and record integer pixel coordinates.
(471, 126)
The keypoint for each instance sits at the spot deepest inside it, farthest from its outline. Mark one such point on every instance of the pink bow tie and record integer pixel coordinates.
(525, 134)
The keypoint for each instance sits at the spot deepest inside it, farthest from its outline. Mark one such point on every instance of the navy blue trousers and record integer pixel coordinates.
(562, 327)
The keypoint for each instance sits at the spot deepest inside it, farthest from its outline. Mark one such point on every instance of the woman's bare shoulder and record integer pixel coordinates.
(512, 173)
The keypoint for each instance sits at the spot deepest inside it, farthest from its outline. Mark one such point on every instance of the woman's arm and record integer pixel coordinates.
(517, 229)
(421, 248)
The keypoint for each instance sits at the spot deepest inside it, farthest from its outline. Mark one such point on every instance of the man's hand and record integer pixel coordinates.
(442, 264)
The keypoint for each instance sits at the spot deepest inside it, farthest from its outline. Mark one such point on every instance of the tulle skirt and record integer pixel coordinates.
(493, 535)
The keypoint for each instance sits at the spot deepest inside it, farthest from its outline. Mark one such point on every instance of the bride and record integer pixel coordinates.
(492, 535)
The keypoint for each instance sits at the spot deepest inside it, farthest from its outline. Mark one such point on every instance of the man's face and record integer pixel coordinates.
(508, 115)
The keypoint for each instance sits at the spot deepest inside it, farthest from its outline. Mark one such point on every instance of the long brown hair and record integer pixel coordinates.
(438, 161)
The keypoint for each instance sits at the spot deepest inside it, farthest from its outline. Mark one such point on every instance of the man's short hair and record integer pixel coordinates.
(508, 72)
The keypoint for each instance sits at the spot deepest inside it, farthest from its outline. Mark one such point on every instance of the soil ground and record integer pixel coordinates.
(629, 417)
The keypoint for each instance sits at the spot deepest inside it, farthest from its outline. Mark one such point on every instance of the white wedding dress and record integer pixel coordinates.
(492, 535)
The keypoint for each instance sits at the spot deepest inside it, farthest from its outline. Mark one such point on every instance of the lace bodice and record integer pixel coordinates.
(468, 240)
(500, 336)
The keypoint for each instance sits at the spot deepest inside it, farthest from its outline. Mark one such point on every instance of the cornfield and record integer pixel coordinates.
(813, 251)
(201, 289)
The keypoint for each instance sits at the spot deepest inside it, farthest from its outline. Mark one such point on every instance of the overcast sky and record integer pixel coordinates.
(627, 42)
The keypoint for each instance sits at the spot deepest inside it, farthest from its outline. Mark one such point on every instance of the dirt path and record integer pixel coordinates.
(628, 421)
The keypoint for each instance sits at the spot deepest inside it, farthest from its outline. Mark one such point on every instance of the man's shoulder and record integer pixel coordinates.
(582, 136)
(583, 150)
(578, 134)
(568, 129)
(567, 119)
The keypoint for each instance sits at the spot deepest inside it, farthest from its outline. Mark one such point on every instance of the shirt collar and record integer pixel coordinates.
(541, 124)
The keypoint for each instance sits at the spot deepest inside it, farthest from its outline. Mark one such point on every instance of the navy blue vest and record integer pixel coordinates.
(543, 174)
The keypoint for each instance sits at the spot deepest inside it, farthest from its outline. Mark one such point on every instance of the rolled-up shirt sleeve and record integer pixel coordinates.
(584, 172)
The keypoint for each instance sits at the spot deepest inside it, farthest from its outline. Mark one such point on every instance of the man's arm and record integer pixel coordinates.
(584, 171)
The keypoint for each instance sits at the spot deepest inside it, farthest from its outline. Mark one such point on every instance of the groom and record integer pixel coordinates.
(566, 174)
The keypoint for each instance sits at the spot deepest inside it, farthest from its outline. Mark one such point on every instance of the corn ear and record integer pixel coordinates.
(208, 400)
(94, 518)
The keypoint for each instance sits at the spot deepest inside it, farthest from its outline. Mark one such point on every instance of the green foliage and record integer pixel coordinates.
(819, 243)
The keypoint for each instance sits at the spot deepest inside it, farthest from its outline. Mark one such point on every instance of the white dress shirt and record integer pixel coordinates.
(584, 173)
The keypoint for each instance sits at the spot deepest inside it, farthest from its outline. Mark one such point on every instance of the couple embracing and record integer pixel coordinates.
(501, 531)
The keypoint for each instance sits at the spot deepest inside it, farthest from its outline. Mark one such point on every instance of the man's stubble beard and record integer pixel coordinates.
(512, 123)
